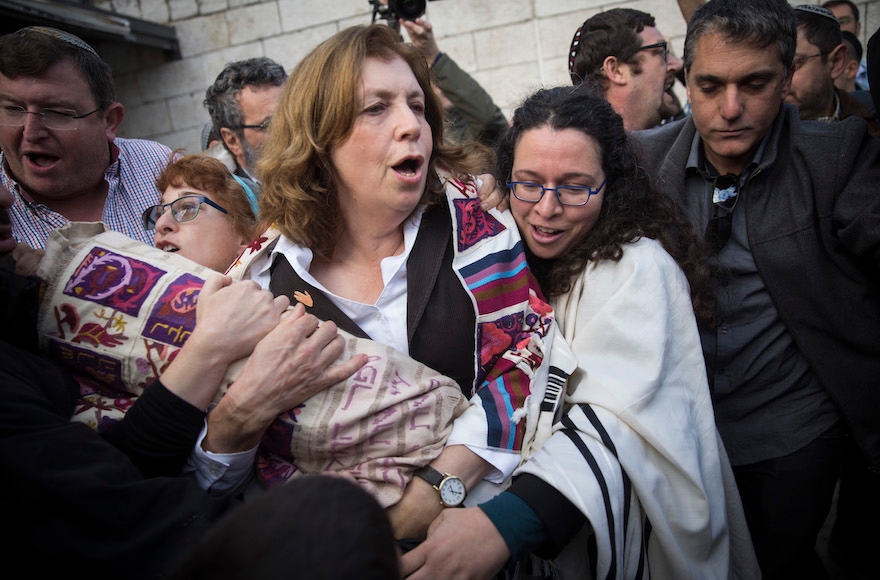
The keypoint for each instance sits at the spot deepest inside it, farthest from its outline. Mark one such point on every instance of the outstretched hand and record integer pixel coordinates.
(231, 318)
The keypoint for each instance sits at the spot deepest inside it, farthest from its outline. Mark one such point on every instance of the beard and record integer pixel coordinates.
(671, 107)
(813, 104)
(250, 154)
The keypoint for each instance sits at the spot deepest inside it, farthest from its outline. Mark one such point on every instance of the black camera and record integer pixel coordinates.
(394, 9)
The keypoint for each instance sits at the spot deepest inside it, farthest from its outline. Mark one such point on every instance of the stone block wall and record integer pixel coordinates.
(510, 47)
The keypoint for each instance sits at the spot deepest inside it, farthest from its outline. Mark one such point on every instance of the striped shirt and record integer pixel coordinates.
(132, 188)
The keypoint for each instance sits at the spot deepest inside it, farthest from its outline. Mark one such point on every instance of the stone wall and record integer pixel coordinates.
(510, 47)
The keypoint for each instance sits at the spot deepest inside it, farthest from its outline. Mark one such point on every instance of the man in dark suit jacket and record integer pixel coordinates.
(792, 212)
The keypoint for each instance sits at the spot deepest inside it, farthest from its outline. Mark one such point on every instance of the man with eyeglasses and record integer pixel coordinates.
(792, 211)
(623, 52)
(241, 102)
(60, 156)
(819, 61)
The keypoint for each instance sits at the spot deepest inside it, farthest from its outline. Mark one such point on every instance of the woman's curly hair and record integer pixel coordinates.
(631, 207)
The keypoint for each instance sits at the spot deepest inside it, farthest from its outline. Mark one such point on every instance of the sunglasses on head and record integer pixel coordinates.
(725, 194)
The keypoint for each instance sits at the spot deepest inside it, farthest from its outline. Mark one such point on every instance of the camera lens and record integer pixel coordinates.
(408, 9)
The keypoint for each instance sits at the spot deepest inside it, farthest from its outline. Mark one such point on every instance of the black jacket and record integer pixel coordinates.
(813, 221)
(73, 503)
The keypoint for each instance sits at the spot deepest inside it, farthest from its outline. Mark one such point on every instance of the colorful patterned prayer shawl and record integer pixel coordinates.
(116, 312)
(513, 321)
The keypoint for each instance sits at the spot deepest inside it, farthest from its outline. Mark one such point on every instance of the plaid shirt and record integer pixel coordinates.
(132, 188)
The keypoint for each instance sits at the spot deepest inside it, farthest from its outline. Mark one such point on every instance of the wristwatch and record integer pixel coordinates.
(452, 489)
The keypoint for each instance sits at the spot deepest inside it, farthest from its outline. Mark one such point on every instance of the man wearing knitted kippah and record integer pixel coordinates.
(622, 51)
(60, 157)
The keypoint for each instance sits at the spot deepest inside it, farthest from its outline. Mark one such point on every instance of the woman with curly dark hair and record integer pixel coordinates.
(625, 209)
(632, 479)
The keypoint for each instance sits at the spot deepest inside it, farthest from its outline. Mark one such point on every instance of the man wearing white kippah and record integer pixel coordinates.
(61, 159)
(623, 53)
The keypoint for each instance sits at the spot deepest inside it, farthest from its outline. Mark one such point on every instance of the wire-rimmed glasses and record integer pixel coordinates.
(261, 127)
(57, 119)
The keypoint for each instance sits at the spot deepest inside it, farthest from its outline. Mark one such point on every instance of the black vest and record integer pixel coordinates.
(440, 315)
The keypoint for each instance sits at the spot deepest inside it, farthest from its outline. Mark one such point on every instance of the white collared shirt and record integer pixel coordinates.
(384, 322)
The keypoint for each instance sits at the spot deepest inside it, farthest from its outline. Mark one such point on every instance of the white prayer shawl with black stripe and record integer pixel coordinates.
(637, 449)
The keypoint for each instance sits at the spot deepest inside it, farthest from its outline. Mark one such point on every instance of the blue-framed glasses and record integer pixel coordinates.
(531, 192)
(183, 209)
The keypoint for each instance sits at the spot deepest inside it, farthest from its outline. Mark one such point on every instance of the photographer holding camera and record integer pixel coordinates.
(473, 115)
(472, 112)
(394, 10)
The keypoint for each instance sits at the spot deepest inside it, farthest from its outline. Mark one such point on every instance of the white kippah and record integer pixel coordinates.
(819, 10)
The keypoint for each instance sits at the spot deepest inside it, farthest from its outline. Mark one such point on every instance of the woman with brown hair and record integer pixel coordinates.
(378, 228)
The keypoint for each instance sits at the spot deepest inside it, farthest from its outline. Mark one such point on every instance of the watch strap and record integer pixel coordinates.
(430, 475)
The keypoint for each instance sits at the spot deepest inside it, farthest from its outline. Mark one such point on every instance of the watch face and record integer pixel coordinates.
(452, 491)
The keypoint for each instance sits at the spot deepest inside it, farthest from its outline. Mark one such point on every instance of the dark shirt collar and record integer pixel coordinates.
(697, 161)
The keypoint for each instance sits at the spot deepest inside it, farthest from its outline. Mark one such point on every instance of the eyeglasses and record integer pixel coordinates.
(799, 61)
(261, 127)
(566, 194)
(664, 45)
(724, 198)
(844, 20)
(58, 119)
(183, 209)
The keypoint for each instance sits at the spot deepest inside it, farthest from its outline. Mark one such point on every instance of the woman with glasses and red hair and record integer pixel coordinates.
(206, 213)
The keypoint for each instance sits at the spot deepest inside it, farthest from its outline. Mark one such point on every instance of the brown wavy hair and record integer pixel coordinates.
(631, 207)
(316, 112)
